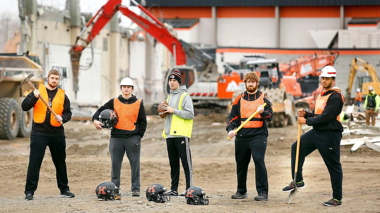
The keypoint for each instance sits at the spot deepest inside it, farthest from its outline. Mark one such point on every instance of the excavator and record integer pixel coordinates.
(363, 82)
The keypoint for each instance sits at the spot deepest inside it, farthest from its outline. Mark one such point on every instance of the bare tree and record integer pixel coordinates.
(9, 24)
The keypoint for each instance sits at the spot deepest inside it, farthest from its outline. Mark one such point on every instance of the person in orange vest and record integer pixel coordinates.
(358, 98)
(126, 135)
(47, 131)
(251, 140)
(325, 136)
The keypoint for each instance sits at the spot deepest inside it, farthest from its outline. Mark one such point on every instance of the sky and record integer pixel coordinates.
(10, 6)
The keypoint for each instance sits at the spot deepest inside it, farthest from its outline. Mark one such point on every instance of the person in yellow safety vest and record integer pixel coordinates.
(126, 135)
(251, 140)
(371, 104)
(325, 136)
(48, 131)
(358, 98)
(177, 131)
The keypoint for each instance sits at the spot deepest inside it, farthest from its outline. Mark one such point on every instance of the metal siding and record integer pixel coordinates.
(248, 32)
(206, 31)
(227, 3)
(295, 31)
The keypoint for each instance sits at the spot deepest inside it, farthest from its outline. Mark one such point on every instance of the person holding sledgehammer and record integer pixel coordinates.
(251, 139)
(325, 136)
(51, 110)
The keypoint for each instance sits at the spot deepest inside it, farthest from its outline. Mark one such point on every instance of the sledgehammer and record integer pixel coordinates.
(27, 80)
(267, 102)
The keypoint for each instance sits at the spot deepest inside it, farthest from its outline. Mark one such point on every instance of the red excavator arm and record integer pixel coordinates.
(104, 15)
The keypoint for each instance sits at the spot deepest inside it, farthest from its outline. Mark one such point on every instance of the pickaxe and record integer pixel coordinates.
(266, 102)
(27, 80)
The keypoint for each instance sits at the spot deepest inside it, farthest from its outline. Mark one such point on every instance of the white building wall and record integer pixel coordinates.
(294, 32)
(205, 31)
(246, 32)
(137, 67)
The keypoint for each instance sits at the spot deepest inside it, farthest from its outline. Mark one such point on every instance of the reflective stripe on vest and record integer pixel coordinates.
(180, 126)
(39, 112)
(247, 108)
(126, 114)
(321, 104)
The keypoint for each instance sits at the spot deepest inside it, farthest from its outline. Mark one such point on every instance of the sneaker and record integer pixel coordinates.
(333, 202)
(67, 194)
(135, 193)
(29, 196)
(172, 193)
(237, 195)
(261, 197)
(300, 185)
(118, 196)
(183, 193)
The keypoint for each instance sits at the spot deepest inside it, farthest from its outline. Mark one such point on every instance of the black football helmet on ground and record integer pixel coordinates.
(156, 193)
(107, 191)
(196, 196)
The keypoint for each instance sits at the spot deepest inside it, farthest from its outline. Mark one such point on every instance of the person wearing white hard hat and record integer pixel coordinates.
(371, 104)
(358, 98)
(325, 135)
(126, 134)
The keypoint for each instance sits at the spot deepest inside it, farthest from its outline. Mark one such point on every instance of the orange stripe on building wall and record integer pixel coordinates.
(245, 12)
(362, 11)
(309, 12)
(362, 25)
(296, 52)
(181, 12)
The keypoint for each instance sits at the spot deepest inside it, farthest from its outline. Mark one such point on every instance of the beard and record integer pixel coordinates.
(52, 85)
(251, 88)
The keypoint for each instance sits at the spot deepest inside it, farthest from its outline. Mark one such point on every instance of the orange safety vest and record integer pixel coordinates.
(39, 113)
(127, 114)
(321, 104)
(247, 108)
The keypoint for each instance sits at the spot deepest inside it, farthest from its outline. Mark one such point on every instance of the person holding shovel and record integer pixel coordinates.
(47, 130)
(325, 136)
(251, 139)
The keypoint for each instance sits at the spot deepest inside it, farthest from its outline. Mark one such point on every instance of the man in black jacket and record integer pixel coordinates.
(251, 140)
(126, 134)
(325, 135)
(48, 131)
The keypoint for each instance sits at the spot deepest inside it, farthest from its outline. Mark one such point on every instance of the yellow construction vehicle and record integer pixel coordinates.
(363, 82)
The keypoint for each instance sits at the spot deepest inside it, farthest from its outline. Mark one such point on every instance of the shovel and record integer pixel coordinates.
(295, 190)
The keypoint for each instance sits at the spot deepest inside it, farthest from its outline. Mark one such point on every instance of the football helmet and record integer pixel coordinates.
(196, 196)
(107, 191)
(108, 118)
(156, 193)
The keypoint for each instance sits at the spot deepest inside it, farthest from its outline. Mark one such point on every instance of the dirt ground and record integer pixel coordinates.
(88, 164)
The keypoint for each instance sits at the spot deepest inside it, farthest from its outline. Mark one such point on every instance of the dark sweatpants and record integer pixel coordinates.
(244, 149)
(57, 146)
(328, 145)
(179, 148)
(132, 147)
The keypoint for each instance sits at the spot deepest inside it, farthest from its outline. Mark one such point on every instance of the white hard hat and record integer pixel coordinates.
(358, 90)
(328, 71)
(370, 88)
(126, 82)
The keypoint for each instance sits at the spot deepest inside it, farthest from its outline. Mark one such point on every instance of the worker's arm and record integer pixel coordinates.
(268, 113)
(66, 114)
(29, 102)
(233, 119)
(365, 102)
(141, 121)
(187, 111)
(377, 99)
(108, 105)
(333, 108)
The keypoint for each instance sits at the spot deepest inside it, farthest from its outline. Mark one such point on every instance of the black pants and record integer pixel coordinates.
(57, 146)
(328, 145)
(179, 148)
(244, 149)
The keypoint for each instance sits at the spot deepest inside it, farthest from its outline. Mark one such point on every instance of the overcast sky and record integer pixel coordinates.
(10, 6)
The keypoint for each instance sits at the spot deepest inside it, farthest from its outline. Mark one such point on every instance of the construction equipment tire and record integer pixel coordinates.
(9, 118)
(26, 120)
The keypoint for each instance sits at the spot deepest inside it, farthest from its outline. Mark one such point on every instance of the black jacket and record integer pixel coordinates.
(45, 128)
(234, 117)
(141, 119)
(327, 120)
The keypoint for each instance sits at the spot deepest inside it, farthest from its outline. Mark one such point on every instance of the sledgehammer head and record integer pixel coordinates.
(26, 80)
(266, 100)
